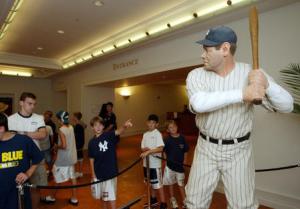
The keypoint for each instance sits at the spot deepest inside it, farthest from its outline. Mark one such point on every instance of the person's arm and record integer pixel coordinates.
(23, 177)
(93, 175)
(185, 158)
(122, 129)
(279, 98)
(202, 100)
(40, 134)
(63, 142)
(152, 151)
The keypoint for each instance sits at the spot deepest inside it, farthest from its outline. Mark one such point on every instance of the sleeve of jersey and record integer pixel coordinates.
(210, 101)
(143, 143)
(90, 149)
(278, 98)
(34, 152)
(160, 141)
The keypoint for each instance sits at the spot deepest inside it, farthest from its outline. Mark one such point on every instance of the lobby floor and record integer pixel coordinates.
(130, 184)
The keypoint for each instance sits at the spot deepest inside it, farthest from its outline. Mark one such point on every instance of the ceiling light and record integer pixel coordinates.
(98, 3)
(138, 37)
(158, 29)
(122, 43)
(87, 57)
(97, 53)
(181, 20)
(40, 48)
(79, 60)
(16, 73)
(60, 31)
(109, 48)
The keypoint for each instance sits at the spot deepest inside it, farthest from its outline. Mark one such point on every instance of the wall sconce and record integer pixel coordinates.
(125, 93)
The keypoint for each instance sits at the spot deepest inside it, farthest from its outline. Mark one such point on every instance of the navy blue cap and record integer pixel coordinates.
(218, 35)
(63, 116)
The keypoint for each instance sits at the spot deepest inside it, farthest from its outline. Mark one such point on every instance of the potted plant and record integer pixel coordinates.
(291, 77)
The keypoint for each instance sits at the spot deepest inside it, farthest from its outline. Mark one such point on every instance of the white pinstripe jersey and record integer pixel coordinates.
(231, 121)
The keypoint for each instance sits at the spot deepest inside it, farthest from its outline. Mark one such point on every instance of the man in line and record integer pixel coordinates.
(28, 123)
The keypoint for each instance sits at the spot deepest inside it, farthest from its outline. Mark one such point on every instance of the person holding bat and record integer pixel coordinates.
(221, 94)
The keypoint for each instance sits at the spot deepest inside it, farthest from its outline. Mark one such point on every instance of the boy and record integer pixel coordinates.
(79, 138)
(19, 159)
(152, 146)
(176, 152)
(63, 168)
(103, 160)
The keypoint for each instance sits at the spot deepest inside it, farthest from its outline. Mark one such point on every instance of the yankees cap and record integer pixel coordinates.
(218, 35)
(63, 116)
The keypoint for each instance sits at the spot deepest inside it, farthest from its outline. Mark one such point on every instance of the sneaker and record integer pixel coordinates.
(153, 202)
(78, 174)
(73, 201)
(173, 203)
(48, 200)
(163, 205)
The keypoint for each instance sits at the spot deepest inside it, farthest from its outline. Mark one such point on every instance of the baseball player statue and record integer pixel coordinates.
(221, 95)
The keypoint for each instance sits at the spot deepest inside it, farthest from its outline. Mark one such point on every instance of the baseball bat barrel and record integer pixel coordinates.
(253, 26)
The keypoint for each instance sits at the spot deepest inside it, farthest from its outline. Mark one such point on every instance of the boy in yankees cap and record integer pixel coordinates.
(220, 94)
(103, 161)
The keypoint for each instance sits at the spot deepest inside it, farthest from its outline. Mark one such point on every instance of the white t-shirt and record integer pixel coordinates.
(45, 143)
(20, 123)
(152, 140)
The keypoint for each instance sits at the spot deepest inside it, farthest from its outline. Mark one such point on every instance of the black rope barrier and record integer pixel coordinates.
(257, 170)
(85, 184)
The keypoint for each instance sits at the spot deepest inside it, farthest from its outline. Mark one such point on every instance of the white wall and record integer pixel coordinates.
(148, 99)
(40, 87)
(276, 136)
(92, 99)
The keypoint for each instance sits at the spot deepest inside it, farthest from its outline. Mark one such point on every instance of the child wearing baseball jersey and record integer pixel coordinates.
(103, 160)
(152, 146)
(176, 152)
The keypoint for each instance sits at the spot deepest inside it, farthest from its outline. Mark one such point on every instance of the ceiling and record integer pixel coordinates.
(32, 42)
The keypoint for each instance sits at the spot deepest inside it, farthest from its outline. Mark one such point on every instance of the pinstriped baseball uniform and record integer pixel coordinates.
(221, 114)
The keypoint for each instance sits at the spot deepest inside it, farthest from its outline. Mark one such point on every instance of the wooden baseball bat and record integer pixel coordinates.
(253, 26)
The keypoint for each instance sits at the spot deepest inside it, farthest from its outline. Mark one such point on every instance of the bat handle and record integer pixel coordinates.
(257, 101)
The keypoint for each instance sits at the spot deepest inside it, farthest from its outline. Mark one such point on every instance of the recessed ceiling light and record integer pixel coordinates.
(40, 48)
(60, 31)
(98, 3)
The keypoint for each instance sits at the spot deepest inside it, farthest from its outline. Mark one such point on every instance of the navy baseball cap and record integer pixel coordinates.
(218, 35)
(63, 116)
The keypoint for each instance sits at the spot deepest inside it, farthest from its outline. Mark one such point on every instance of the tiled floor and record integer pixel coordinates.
(130, 184)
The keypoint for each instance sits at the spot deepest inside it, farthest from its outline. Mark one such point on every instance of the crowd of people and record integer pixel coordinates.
(221, 95)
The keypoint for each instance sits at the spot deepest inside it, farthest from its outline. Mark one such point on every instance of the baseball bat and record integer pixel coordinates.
(253, 26)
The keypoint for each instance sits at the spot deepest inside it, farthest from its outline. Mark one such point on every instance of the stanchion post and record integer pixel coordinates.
(20, 196)
(148, 183)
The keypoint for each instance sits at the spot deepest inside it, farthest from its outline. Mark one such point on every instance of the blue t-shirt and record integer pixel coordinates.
(15, 157)
(175, 147)
(103, 150)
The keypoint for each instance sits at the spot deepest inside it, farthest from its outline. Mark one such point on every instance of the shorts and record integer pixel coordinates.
(79, 155)
(155, 177)
(39, 177)
(63, 173)
(107, 190)
(172, 177)
(47, 156)
(9, 198)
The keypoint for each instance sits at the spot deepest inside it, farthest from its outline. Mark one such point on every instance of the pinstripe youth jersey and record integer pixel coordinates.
(231, 121)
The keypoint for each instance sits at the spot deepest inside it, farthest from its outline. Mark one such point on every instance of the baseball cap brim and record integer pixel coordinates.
(206, 42)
